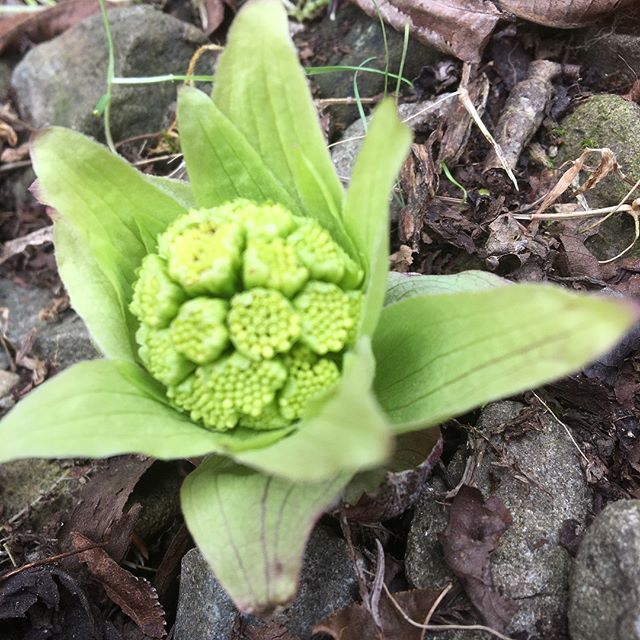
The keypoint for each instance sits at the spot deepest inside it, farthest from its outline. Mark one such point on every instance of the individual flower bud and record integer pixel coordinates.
(273, 264)
(207, 261)
(199, 331)
(308, 377)
(326, 317)
(325, 259)
(270, 418)
(262, 323)
(219, 393)
(156, 298)
(160, 356)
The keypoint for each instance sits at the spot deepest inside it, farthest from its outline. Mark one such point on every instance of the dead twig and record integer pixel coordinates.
(49, 560)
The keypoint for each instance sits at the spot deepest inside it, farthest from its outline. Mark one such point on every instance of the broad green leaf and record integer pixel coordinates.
(103, 408)
(366, 212)
(401, 286)
(180, 190)
(94, 296)
(443, 354)
(345, 431)
(222, 165)
(252, 528)
(115, 212)
(261, 87)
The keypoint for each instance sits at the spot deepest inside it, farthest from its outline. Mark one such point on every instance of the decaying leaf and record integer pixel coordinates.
(45, 24)
(472, 534)
(458, 27)
(49, 602)
(401, 487)
(135, 596)
(18, 245)
(463, 27)
(356, 622)
(562, 14)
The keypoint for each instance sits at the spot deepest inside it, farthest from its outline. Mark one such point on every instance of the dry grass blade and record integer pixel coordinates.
(471, 109)
(606, 165)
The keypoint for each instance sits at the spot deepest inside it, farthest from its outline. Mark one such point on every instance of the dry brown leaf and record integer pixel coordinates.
(15, 155)
(18, 245)
(563, 14)
(458, 27)
(403, 485)
(463, 27)
(46, 24)
(356, 622)
(135, 596)
(100, 513)
(472, 534)
(211, 14)
(606, 165)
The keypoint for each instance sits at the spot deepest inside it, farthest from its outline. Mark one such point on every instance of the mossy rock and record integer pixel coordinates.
(607, 121)
(36, 489)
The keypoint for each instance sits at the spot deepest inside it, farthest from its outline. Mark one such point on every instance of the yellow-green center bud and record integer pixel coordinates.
(262, 323)
(245, 313)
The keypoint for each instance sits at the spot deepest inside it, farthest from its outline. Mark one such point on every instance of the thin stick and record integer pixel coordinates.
(562, 424)
(589, 213)
(434, 606)
(328, 102)
(171, 157)
(46, 561)
(443, 627)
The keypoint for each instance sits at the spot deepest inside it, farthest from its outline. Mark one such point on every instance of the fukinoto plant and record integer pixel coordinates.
(248, 316)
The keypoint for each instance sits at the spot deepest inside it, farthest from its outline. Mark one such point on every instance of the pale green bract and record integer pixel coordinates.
(246, 315)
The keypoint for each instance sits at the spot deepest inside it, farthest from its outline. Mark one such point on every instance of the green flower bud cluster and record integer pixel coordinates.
(245, 313)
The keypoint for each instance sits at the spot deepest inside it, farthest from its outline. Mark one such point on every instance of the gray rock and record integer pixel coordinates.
(8, 381)
(5, 78)
(61, 343)
(61, 81)
(605, 585)
(37, 490)
(424, 563)
(360, 38)
(610, 57)
(205, 610)
(607, 121)
(328, 582)
(538, 477)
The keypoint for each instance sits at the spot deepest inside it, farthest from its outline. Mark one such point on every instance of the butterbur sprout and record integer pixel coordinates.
(248, 315)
